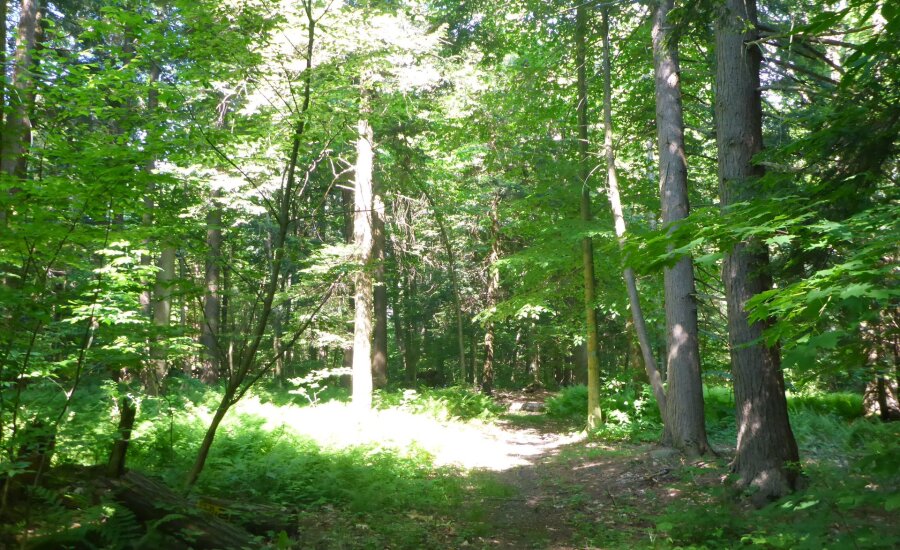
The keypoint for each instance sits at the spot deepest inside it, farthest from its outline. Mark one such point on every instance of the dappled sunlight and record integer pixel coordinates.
(468, 445)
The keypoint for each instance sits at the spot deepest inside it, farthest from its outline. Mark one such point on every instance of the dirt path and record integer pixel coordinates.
(568, 493)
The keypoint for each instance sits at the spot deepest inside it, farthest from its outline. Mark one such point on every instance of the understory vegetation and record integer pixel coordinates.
(372, 488)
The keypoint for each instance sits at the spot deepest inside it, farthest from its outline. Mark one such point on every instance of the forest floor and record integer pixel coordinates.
(412, 474)
(566, 493)
(538, 484)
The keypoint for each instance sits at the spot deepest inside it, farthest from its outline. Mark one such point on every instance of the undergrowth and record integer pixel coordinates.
(373, 495)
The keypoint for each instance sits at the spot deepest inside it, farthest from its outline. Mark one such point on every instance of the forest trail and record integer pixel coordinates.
(563, 490)
(550, 487)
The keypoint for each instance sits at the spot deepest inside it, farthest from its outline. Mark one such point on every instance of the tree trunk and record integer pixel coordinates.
(493, 286)
(594, 414)
(16, 136)
(162, 310)
(380, 335)
(187, 524)
(534, 363)
(3, 13)
(209, 333)
(362, 240)
(766, 457)
(210, 435)
(685, 421)
(17, 130)
(615, 202)
(410, 334)
(127, 412)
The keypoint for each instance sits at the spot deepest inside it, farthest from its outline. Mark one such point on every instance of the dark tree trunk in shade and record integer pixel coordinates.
(685, 422)
(127, 412)
(766, 457)
(410, 332)
(379, 299)
(493, 287)
(17, 130)
(209, 333)
(16, 136)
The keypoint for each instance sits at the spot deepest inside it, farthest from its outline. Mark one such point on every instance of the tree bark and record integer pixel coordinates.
(493, 285)
(380, 335)
(685, 420)
(162, 312)
(594, 414)
(362, 240)
(615, 202)
(18, 123)
(3, 13)
(209, 333)
(766, 457)
(411, 333)
(127, 413)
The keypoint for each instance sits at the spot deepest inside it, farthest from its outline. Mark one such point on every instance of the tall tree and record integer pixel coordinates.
(594, 414)
(379, 299)
(615, 202)
(685, 422)
(212, 304)
(17, 129)
(493, 287)
(362, 241)
(766, 457)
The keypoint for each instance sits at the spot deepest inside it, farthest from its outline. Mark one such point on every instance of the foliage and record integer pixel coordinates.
(442, 404)
(629, 413)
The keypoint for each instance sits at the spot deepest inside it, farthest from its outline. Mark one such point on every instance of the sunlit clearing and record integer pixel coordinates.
(468, 445)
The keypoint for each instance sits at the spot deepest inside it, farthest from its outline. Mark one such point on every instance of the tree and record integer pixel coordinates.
(767, 458)
(493, 288)
(615, 202)
(212, 302)
(685, 421)
(363, 216)
(594, 414)
(379, 297)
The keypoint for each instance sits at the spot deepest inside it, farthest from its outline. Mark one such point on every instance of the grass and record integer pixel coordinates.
(399, 480)
(354, 483)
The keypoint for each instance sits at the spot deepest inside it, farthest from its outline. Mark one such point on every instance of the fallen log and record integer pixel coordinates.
(152, 501)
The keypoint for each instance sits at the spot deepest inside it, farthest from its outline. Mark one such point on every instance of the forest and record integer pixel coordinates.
(426, 274)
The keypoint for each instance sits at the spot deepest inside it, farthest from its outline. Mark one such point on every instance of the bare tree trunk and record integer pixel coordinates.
(767, 455)
(615, 202)
(594, 414)
(162, 313)
(17, 130)
(209, 333)
(127, 412)
(685, 421)
(380, 335)
(409, 331)
(362, 240)
(3, 13)
(493, 286)
(16, 137)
